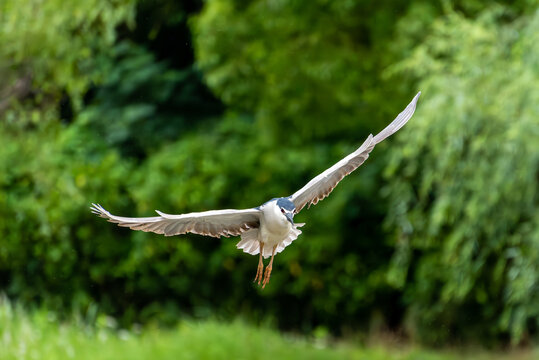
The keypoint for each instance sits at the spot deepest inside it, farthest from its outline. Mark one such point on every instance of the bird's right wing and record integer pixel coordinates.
(214, 223)
(322, 185)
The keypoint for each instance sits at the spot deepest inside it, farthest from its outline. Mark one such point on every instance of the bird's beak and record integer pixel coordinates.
(290, 217)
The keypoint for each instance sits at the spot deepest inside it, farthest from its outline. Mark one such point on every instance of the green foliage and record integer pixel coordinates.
(199, 272)
(307, 66)
(464, 182)
(48, 47)
(144, 102)
(314, 68)
(50, 251)
(303, 83)
(307, 273)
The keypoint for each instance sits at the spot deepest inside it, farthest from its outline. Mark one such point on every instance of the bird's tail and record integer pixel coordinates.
(250, 241)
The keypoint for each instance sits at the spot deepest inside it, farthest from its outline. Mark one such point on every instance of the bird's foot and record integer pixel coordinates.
(259, 273)
(267, 275)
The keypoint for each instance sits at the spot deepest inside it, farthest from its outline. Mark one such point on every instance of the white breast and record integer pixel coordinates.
(275, 230)
(274, 227)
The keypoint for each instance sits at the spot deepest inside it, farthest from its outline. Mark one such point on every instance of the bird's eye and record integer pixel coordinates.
(282, 210)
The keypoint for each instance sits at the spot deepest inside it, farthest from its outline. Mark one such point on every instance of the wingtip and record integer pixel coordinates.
(160, 213)
(98, 210)
(399, 121)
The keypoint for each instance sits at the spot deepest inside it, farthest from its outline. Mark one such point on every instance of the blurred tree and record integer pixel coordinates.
(48, 50)
(308, 66)
(463, 186)
(315, 68)
(49, 251)
(303, 84)
(144, 103)
(50, 174)
(153, 93)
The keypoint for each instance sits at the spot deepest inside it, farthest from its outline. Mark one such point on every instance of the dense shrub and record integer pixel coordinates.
(460, 190)
(463, 185)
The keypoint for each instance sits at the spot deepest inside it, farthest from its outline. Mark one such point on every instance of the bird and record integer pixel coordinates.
(267, 229)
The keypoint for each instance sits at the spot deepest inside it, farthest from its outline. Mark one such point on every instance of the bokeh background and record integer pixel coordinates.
(189, 105)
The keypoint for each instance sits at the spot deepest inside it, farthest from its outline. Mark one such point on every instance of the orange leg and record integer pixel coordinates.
(260, 269)
(267, 273)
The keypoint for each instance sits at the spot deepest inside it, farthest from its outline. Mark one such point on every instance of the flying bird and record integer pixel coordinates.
(269, 228)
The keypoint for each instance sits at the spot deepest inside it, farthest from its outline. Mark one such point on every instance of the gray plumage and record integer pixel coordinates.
(214, 223)
(322, 185)
(271, 223)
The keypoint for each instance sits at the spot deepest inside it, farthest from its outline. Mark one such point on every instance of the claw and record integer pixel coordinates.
(260, 269)
(267, 275)
(259, 272)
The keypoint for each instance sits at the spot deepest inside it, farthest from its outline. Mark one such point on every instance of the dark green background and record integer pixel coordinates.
(187, 106)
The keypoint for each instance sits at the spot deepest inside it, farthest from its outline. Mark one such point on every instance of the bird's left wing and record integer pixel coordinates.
(214, 223)
(322, 185)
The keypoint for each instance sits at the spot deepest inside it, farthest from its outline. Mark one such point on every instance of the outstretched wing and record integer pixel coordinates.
(214, 223)
(322, 185)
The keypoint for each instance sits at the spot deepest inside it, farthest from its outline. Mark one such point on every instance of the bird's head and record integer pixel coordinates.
(287, 208)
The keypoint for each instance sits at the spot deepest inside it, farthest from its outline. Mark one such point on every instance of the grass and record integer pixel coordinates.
(40, 336)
